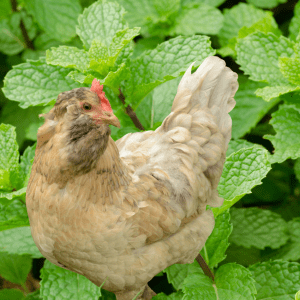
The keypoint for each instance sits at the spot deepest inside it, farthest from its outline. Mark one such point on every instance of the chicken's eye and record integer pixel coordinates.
(87, 106)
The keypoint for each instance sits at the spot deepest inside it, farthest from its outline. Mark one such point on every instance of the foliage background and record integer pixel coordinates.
(254, 249)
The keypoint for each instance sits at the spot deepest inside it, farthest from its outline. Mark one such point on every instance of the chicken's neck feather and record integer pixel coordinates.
(86, 143)
(105, 183)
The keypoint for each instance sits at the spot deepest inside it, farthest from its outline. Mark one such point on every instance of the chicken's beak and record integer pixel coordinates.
(111, 119)
(114, 121)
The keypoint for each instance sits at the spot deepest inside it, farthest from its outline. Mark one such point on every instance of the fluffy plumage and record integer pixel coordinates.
(122, 212)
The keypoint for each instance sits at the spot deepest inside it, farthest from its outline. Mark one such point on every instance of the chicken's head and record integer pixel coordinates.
(90, 104)
(78, 122)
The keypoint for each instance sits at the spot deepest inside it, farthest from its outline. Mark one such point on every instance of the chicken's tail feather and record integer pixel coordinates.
(200, 120)
(209, 89)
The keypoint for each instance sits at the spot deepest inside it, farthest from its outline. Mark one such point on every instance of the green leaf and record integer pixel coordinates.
(276, 279)
(103, 57)
(258, 55)
(121, 40)
(26, 121)
(5, 9)
(100, 21)
(98, 51)
(236, 145)
(117, 133)
(18, 241)
(266, 3)
(57, 17)
(34, 296)
(249, 109)
(174, 296)
(113, 79)
(262, 128)
(231, 282)
(13, 215)
(297, 46)
(228, 50)
(290, 251)
(19, 194)
(9, 158)
(286, 122)
(169, 60)
(201, 18)
(68, 57)
(237, 17)
(11, 41)
(144, 111)
(177, 273)
(58, 283)
(297, 169)
(29, 54)
(143, 13)
(295, 23)
(166, 8)
(242, 256)
(81, 78)
(242, 171)
(145, 44)
(259, 228)
(214, 3)
(217, 243)
(15, 268)
(11, 38)
(45, 42)
(11, 294)
(163, 97)
(36, 83)
(290, 68)
(125, 55)
(270, 92)
(26, 163)
(266, 24)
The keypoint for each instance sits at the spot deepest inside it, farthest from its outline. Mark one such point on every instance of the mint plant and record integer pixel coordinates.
(139, 50)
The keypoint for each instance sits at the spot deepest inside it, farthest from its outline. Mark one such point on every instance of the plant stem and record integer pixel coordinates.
(22, 201)
(13, 5)
(27, 41)
(204, 266)
(130, 112)
(26, 290)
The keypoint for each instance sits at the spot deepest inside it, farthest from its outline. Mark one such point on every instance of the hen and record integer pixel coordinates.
(120, 212)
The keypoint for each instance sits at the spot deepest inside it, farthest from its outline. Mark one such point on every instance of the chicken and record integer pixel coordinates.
(120, 212)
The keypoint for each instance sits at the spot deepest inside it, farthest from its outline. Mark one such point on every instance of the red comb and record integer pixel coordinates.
(98, 89)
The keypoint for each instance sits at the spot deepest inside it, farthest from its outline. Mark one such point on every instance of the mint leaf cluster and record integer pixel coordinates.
(243, 170)
(231, 280)
(240, 21)
(108, 48)
(13, 175)
(269, 58)
(174, 17)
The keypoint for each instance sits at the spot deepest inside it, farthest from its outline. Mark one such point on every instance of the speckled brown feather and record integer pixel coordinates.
(122, 212)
